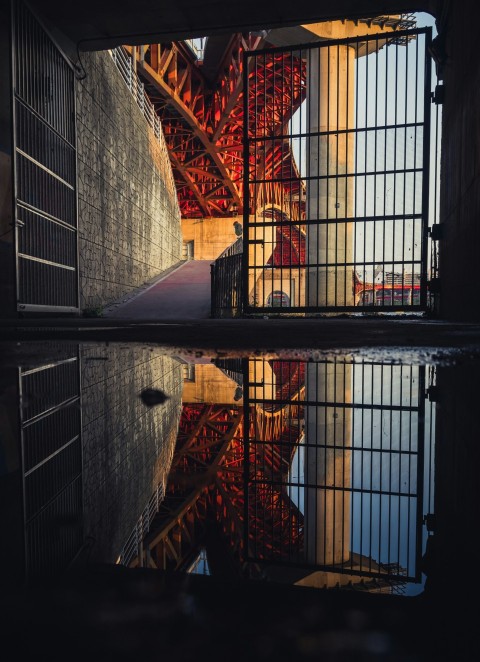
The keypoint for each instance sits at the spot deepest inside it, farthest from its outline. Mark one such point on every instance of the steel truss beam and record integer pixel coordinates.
(203, 122)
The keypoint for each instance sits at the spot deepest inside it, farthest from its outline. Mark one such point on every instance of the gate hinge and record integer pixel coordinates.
(436, 231)
(434, 286)
(430, 521)
(433, 393)
(439, 94)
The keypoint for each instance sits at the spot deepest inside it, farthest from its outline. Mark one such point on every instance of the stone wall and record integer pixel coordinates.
(127, 446)
(129, 219)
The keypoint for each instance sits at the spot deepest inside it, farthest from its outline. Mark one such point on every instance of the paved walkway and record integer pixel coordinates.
(182, 295)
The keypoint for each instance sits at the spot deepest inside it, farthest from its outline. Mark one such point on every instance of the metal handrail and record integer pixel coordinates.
(131, 547)
(125, 66)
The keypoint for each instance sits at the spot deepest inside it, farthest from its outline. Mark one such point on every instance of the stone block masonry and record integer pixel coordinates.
(128, 214)
(127, 446)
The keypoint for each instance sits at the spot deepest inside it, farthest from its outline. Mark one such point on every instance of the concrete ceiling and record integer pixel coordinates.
(101, 24)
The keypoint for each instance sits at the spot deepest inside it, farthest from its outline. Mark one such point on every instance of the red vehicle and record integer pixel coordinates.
(389, 295)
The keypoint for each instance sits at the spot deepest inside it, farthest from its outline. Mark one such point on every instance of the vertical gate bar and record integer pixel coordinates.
(303, 205)
(327, 211)
(348, 183)
(434, 265)
(400, 436)
(365, 168)
(334, 451)
(384, 244)
(420, 470)
(405, 122)
(294, 302)
(246, 451)
(394, 207)
(375, 170)
(370, 546)
(380, 429)
(415, 152)
(337, 86)
(325, 455)
(410, 455)
(361, 465)
(345, 432)
(415, 119)
(390, 437)
(213, 289)
(426, 166)
(261, 299)
(352, 502)
(355, 176)
(304, 117)
(246, 178)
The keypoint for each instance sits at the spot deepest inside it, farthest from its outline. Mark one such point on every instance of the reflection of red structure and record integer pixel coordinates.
(207, 483)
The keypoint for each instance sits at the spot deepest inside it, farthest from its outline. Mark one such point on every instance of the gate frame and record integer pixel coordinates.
(20, 307)
(249, 310)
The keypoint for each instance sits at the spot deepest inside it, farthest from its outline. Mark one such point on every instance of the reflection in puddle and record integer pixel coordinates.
(343, 474)
(313, 473)
(320, 476)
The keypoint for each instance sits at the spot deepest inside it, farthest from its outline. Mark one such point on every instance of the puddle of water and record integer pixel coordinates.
(294, 468)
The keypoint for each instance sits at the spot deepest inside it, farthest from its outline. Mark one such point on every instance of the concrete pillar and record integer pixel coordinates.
(328, 464)
(330, 107)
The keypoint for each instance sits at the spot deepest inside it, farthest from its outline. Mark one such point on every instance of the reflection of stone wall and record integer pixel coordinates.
(127, 447)
(129, 220)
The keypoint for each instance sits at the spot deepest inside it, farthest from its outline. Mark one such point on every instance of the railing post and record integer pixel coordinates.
(212, 290)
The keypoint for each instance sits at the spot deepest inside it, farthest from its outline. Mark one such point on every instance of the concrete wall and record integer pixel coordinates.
(290, 281)
(127, 446)
(211, 236)
(460, 173)
(129, 220)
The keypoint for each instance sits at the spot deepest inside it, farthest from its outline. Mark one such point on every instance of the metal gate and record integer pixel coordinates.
(45, 170)
(336, 149)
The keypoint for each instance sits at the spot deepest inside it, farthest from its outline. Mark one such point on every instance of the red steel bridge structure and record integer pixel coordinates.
(201, 104)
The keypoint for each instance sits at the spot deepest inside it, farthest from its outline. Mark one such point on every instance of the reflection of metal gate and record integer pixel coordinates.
(338, 466)
(45, 170)
(50, 422)
(336, 146)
